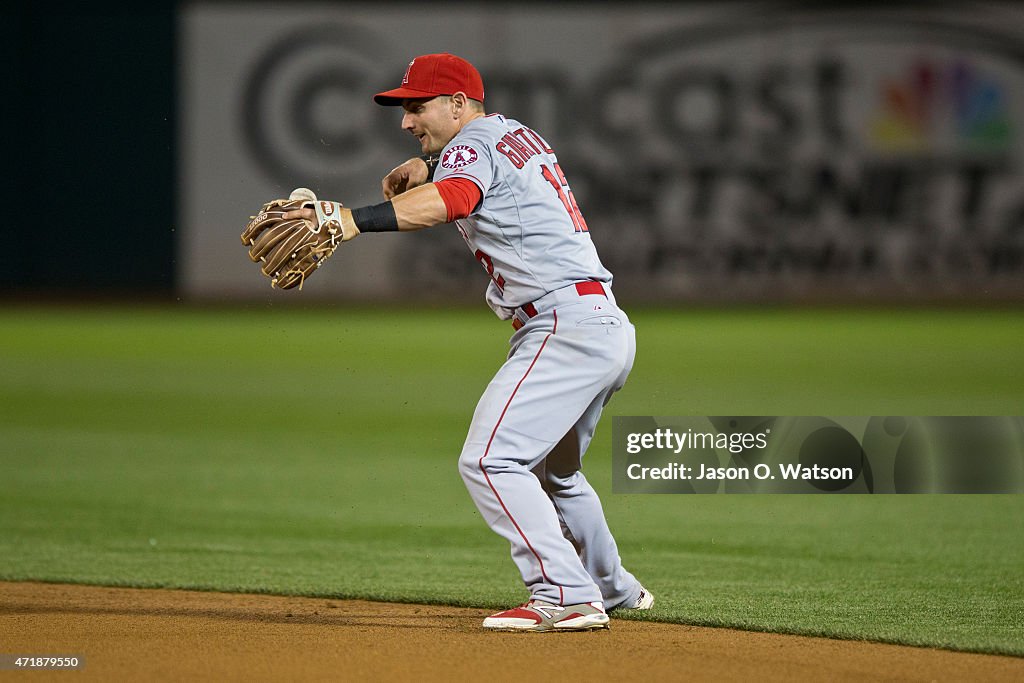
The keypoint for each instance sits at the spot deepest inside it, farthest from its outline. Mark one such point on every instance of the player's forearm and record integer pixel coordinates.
(420, 207)
(416, 209)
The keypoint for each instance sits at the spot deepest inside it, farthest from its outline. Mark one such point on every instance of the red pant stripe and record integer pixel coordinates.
(488, 449)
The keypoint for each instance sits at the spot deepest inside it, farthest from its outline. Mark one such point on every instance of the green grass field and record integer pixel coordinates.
(182, 448)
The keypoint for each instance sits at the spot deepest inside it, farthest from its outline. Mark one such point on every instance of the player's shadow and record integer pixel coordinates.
(327, 616)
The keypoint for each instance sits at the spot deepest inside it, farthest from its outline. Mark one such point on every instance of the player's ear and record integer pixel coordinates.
(459, 101)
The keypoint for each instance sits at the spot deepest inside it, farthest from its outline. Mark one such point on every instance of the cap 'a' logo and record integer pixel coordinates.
(405, 78)
(459, 156)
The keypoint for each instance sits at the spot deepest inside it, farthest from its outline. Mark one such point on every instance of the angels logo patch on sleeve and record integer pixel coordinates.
(459, 156)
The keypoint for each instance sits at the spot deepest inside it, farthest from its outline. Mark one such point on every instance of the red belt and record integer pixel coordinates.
(582, 288)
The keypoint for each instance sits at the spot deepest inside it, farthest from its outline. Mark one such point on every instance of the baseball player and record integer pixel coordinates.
(501, 184)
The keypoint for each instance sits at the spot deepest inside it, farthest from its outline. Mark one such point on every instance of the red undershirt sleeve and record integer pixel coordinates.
(460, 195)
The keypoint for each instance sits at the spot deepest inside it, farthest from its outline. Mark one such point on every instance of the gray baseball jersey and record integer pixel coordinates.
(572, 349)
(527, 232)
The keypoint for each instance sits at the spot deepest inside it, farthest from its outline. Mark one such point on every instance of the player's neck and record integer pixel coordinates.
(472, 116)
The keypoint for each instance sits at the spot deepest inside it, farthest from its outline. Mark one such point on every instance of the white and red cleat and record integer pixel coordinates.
(539, 616)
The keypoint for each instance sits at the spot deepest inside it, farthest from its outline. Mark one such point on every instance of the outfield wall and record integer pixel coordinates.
(721, 152)
(89, 134)
(718, 153)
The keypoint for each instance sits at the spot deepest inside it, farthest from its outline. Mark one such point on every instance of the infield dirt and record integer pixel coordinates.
(145, 634)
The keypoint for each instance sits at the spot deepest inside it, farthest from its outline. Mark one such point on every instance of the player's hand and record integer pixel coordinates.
(343, 218)
(412, 173)
(307, 214)
(291, 241)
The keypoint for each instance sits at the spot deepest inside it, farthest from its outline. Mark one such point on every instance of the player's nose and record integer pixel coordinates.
(407, 121)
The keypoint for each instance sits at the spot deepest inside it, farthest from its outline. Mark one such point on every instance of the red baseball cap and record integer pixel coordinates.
(433, 75)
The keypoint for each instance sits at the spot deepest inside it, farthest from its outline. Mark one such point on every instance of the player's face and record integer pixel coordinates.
(431, 121)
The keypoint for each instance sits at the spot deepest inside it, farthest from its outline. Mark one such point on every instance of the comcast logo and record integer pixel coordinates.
(955, 100)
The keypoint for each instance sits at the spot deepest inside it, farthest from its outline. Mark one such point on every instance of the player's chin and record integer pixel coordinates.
(428, 146)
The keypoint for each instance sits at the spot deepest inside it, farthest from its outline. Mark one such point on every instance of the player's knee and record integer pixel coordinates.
(474, 467)
(559, 483)
(469, 465)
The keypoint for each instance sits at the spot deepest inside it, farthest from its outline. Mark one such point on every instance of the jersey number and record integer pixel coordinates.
(565, 194)
(487, 263)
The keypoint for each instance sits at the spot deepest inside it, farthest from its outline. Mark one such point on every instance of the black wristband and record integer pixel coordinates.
(377, 218)
(431, 161)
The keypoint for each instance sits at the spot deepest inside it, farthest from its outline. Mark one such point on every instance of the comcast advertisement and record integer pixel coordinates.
(806, 155)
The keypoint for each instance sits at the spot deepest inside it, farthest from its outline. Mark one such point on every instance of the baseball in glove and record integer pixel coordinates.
(291, 249)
